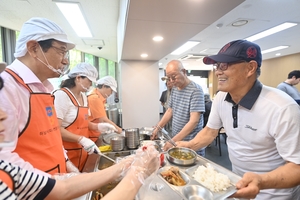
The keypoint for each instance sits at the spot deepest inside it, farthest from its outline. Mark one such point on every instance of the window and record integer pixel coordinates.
(17, 35)
(112, 68)
(75, 57)
(89, 58)
(102, 67)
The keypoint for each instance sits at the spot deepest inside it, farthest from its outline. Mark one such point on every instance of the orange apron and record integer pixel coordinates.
(40, 141)
(79, 126)
(94, 135)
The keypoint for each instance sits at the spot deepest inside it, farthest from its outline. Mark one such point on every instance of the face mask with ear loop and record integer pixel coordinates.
(61, 72)
(86, 89)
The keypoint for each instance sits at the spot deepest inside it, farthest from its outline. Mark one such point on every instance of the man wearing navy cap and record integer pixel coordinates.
(262, 125)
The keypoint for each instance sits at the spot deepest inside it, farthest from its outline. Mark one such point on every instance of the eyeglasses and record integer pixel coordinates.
(173, 77)
(224, 66)
(64, 53)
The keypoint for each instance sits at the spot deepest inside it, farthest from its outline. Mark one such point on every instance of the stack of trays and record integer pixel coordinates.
(132, 138)
(117, 143)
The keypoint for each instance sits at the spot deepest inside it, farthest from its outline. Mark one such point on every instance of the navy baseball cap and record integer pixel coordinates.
(236, 51)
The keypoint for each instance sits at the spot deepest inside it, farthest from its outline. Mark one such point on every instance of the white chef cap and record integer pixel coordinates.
(84, 69)
(39, 29)
(109, 81)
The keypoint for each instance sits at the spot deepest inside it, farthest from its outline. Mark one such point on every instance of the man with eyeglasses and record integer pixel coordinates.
(41, 53)
(186, 106)
(262, 125)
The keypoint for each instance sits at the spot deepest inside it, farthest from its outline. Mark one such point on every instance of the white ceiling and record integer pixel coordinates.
(176, 20)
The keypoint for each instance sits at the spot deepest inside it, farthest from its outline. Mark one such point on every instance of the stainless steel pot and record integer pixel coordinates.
(184, 156)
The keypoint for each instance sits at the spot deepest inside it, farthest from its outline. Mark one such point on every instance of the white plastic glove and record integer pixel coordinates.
(71, 167)
(89, 146)
(146, 161)
(63, 176)
(106, 128)
(124, 164)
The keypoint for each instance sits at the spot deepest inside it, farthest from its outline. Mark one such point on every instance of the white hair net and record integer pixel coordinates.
(84, 69)
(109, 81)
(39, 29)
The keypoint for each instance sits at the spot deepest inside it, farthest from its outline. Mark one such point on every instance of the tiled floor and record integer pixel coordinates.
(212, 153)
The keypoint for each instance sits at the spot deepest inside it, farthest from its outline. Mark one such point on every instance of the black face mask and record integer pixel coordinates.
(1, 83)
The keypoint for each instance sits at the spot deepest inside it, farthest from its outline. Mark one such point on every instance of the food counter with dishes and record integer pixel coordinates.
(183, 175)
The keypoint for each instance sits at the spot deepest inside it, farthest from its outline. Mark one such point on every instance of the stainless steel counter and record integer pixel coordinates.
(155, 187)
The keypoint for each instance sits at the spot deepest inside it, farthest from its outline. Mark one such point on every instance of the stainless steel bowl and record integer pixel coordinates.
(182, 161)
(145, 133)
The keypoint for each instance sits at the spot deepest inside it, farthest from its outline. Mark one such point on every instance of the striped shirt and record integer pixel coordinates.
(23, 184)
(183, 102)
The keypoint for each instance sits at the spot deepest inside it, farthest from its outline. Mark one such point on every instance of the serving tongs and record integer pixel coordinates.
(165, 136)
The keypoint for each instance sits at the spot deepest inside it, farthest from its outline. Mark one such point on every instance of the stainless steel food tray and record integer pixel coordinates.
(232, 176)
(191, 190)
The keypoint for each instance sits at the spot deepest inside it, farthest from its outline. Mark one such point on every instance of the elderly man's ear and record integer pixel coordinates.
(252, 67)
(32, 47)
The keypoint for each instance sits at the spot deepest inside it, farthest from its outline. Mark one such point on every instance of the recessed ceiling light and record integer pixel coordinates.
(241, 22)
(277, 54)
(72, 12)
(158, 38)
(271, 31)
(186, 46)
(144, 55)
(274, 49)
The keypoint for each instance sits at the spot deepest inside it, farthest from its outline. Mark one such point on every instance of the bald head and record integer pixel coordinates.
(177, 74)
(174, 65)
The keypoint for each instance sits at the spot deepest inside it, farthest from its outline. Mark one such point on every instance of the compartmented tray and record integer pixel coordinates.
(191, 190)
(234, 178)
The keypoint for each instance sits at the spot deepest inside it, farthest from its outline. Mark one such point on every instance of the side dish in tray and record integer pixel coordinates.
(173, 176)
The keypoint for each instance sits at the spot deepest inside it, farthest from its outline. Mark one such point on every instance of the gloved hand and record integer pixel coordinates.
(71, 167)
(146, 161)
(124, 164)
(106, 127)
(63, 176)
(89, 146)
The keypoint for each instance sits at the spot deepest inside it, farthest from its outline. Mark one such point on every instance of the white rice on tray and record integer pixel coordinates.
(211, 179)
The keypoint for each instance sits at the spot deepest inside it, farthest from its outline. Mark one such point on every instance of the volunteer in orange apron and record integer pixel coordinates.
(41, 53)
(42, 127)
(105, 87)
(72, 112)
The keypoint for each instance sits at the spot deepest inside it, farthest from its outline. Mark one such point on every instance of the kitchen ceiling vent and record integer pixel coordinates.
(194, 57)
